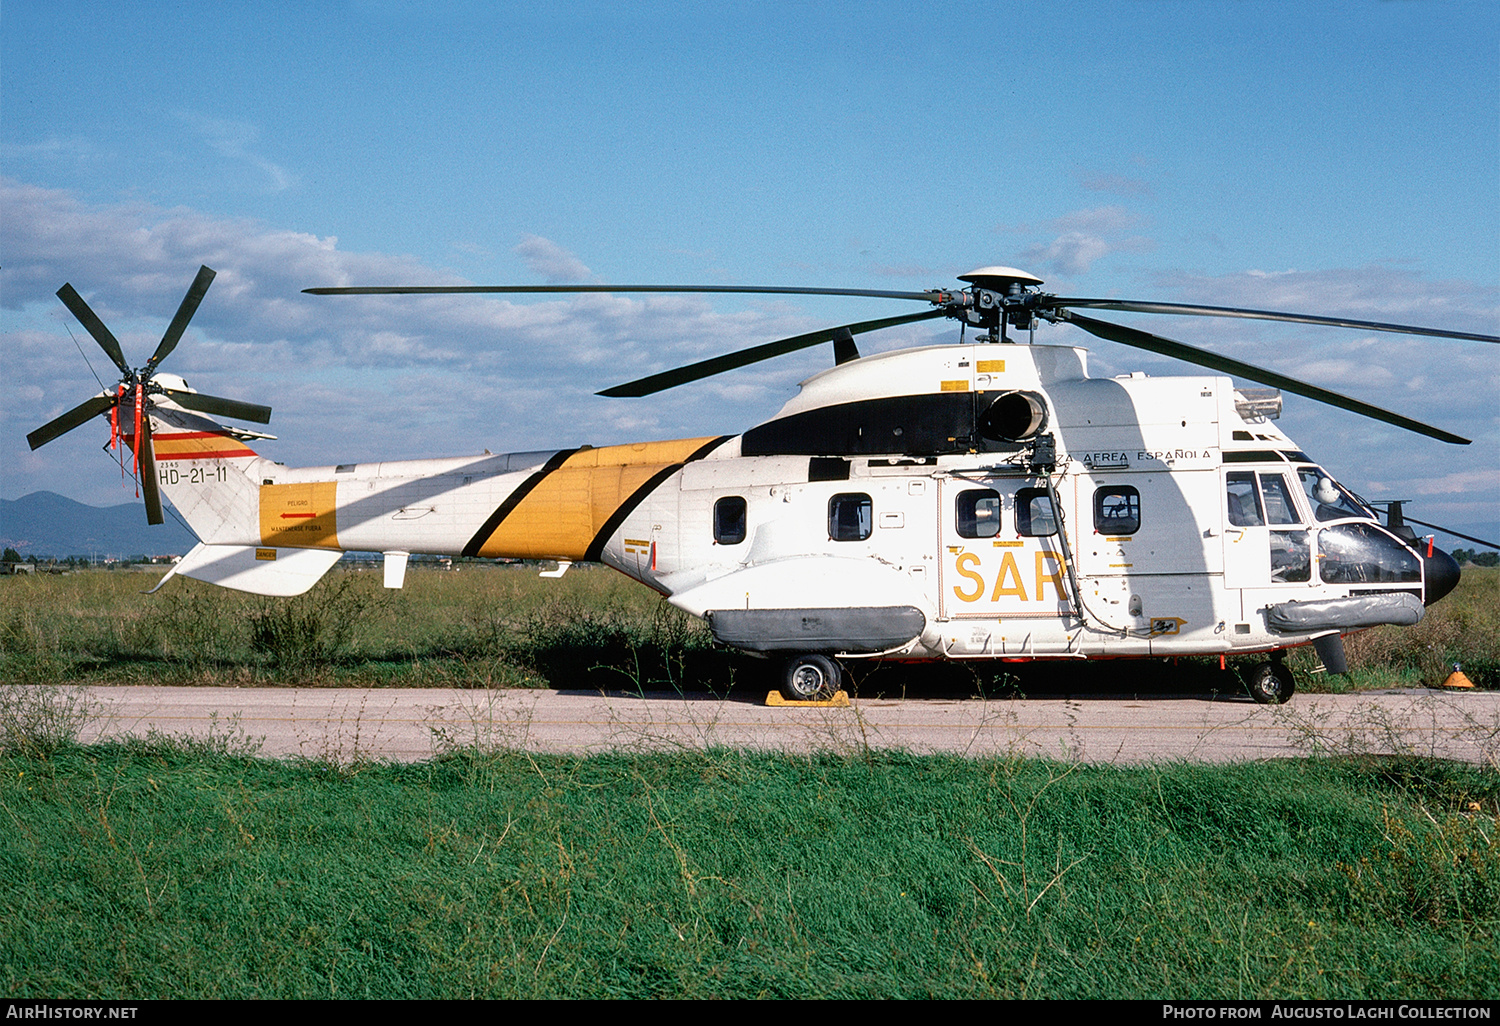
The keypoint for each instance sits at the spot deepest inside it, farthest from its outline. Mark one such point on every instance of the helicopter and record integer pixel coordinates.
(987, 500)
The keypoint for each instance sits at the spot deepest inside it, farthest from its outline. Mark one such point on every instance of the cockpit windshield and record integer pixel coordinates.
(1329, 499)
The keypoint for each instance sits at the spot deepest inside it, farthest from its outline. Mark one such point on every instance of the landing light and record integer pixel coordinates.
(1257, 403)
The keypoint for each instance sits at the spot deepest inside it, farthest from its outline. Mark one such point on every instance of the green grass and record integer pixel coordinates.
(159, 869)
(488, 627)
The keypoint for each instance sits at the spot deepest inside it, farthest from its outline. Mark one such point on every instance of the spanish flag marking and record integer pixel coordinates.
(197, 445)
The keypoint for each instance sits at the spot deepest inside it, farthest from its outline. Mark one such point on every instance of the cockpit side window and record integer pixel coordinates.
(1364, 554)
(1244, 500)
(1277, 494)
(1328, 498)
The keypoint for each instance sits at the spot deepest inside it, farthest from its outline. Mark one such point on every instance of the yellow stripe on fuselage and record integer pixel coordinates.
(561, 516)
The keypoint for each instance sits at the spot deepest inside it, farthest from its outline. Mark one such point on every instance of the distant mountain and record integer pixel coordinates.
(47, 524)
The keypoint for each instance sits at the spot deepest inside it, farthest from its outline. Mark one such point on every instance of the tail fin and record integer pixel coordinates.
(209, 474)
(213, 479)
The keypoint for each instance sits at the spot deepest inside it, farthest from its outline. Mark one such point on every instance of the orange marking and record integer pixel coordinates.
(312, 505)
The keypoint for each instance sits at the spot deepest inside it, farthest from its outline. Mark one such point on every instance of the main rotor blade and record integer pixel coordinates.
(204, 403)
(184, 314)
(95, 327)
(1202, 357)
(150, 491)
(1448, 530)
(1131, 306)
(459, 290)
(80, 414)
(730, 361)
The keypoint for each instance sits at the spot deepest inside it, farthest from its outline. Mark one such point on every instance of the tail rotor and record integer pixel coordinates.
(136, 388)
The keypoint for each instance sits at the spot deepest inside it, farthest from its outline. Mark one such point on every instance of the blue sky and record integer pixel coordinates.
(1340, 159)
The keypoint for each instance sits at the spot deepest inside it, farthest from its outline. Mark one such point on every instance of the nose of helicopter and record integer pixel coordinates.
(1440, 574)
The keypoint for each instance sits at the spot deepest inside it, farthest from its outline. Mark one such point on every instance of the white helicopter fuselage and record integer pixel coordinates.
(887, 510)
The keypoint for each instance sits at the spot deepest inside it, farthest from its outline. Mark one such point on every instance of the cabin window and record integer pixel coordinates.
(1244, 501)
(1117, 510)
(978, 513)
(1277, 496)
(1034, 515)
(850, 516)
(729, 520)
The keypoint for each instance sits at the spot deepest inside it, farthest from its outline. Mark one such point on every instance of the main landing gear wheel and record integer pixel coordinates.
(810, 678)
(1270, 683)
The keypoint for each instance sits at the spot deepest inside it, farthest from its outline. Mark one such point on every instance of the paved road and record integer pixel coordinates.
(412, 724)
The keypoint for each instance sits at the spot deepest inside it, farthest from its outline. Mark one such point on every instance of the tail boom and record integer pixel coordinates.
(253, 514)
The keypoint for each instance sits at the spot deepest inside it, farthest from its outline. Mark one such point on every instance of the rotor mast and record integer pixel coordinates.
(999, 298)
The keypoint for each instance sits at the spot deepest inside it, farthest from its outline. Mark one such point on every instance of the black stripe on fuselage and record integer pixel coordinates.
(513, 500)
(596, 547)
(707, 447)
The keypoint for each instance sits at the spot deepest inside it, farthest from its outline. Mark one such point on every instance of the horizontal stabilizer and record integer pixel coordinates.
(260, 570)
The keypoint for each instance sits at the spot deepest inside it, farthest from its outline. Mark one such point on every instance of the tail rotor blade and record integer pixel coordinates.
(150, 491)
(95, 327)
(185, 313)
(80, 414)
(219, 406)
(1138, 339)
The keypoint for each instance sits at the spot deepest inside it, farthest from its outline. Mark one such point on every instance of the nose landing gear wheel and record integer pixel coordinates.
(1270, 683)
(810, 678)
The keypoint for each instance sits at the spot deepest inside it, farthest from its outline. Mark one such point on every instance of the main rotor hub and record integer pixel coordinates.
(1002, 295)
(1004, 280)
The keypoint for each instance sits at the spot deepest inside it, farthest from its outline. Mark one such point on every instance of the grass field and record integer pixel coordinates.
(160, 869)
(504, 627)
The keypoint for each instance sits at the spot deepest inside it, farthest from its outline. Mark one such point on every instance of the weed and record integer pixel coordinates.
(37, 720)
(310, 629)
(192, 628)
(224, 739)
(1439, 872)
(1424, 728)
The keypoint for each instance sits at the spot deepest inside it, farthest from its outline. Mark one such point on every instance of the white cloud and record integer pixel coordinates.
(233, 140)
(1082, 237)
(548, 260)
(1119, 185)
(1377, 292)
(473, 371)
(1097, 219)
(1071, 253)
